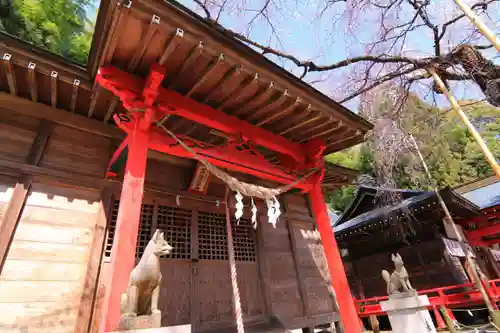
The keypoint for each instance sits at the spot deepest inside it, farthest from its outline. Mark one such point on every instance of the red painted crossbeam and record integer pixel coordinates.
(478, 234)
(136, 93)
(224, 157)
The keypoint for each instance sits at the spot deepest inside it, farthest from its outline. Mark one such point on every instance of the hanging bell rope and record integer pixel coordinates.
(238, 313)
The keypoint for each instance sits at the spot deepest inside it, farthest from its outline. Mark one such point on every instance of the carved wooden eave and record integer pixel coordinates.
(202, 63)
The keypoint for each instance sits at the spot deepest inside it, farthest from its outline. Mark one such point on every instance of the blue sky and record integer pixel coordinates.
(307, 34)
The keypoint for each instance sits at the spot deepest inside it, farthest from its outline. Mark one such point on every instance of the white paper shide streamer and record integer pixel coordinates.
(273, 210)
(254, 215)
(239, 206)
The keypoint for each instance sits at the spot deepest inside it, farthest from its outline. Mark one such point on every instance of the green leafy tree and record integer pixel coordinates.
(60, 26)
(451, 153)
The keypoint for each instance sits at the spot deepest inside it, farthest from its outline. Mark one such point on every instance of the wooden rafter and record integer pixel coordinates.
(212, 67)
(32, 81)
(93, 101)
(278, 115)
(193, 55)
(257, 100)
(258, 112)
(9, 72)
(230, 74)
(53, 88)
(111, 109)
(237, 91)
(337, 126)
(145, 41)
(301, 124)
(74, 95)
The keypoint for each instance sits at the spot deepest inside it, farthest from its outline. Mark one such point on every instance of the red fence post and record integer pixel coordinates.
(348, 313)
(127, 227)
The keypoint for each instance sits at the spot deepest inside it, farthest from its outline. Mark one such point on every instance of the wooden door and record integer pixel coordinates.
(42, 281)
(212, 291)
(196, 283)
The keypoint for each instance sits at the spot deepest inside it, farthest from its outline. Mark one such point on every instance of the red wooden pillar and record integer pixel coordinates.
(127, 226)
(347, 309)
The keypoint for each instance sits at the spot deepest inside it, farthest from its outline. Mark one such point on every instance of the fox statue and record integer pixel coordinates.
(399, 279)
(143, 289)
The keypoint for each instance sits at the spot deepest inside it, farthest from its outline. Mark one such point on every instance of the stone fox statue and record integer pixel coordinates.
(143, 288)
(399, 279)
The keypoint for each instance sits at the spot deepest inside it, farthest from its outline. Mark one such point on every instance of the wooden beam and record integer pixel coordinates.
(117, 30)
(93, 100)
(193, 55)
(14, 210)
(171, 45)
(145, 41)
(206, 74)
(74, 95)
(260, 111)
(42, 111)
(280, 114)
(233, 72)
(33, 84)
(40, 143)
(111, 109)
(243, 87)
(81, 180)
(327, 131)
(301, 124)
(9, 72)
(258, 99)
(53, 88)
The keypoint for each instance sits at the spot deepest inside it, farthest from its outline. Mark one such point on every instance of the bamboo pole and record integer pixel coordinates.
(449, 219)
(479, 24)
(472, 130)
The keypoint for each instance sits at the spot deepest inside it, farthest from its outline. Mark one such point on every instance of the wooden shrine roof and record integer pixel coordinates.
(203, 63)
(418, 203)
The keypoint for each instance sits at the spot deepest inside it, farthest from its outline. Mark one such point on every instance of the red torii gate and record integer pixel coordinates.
(148, 101)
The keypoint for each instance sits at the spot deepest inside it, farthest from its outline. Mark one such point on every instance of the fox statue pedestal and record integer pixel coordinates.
(408, 313)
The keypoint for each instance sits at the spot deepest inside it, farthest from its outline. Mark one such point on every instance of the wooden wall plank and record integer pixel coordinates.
(45, 232)
(41, 291)
(27, 270)
(39, 251)
(88, 300)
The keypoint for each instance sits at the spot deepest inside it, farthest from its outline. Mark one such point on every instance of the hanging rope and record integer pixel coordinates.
(238, 314)
(246, 189)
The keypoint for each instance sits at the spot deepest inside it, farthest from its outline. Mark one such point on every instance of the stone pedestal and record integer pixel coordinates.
(408, 313)
(139, 322)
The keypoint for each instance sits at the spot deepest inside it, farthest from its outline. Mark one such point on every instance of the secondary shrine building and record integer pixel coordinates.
(78, 192)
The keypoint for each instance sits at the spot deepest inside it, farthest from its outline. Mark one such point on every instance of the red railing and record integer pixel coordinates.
(457, 296)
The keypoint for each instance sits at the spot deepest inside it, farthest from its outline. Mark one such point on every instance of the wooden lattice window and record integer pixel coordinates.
(176, 224)
(212, 236)
(243, 239)
(145, 232)
(143, 236)
(111, 228)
